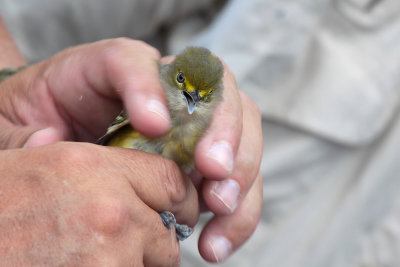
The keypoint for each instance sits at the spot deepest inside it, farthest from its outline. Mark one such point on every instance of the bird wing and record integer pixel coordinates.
(120, 121)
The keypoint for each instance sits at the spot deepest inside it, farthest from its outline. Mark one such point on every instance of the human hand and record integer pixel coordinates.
(229, 157)
(70, 204)
(44, 103)
(77, 93)
(81, 88)
(228, 160)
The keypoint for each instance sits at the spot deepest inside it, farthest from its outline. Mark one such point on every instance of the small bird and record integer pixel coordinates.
(193, 88)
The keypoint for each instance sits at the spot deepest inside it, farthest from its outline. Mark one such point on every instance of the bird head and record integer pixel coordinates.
(195, 78)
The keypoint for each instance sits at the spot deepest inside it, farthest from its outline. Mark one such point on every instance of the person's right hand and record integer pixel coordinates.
(79, 204)
(77, 93)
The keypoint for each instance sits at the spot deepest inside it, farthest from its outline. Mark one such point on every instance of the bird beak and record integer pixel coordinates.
(191, 99)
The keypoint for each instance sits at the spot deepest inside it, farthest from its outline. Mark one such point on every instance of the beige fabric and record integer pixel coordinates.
(326, 77)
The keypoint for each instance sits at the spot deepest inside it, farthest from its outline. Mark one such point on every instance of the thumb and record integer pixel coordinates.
(12, 136)
(43, 137)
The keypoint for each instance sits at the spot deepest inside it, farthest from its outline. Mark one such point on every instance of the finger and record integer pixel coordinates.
(15, 136)
(224, 234)
(28, 108)
(89, 81)
(159, 183)
(43, 137)
(117, 202)
(126, 222)
(222, 197)
(139, 83)
(162, 247)
(215, 153)
(148, 236)
(12, 136)
(167, 60)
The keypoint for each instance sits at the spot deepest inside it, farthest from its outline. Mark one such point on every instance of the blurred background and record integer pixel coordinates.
(326, 77)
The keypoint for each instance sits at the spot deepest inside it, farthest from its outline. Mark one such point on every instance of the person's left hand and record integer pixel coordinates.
(228, 159)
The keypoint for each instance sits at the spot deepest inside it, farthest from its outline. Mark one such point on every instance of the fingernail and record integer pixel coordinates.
(158, 108)
(221, 247)
(227, 192)
(221, 151)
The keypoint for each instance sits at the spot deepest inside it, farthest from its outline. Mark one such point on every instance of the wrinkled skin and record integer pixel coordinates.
(74, 95)
(100, 212)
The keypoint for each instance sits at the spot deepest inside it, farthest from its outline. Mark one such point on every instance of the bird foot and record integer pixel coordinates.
(182, 231)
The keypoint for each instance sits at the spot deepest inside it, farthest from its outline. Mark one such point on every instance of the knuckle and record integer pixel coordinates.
(112, 52)
(247, 226)
(256, 110)
(251, 207)
(229, 72)
(8, 139)
(148, 48)
(119, 48)
(174, 184)
(250, 105)
(107, 261)
(108, 216)
(72, 155)
(118, 56)
(174, 252)
(118, 43)
(247, 167)
(116, 51)
(229, 76)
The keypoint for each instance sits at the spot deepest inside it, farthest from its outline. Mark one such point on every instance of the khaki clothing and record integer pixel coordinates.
(326, 76)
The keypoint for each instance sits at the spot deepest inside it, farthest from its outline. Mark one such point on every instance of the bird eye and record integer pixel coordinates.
(180, 77)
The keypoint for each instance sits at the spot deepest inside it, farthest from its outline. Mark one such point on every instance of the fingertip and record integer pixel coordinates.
(214, 248)
(222, 197)
(149, 116)
(224, 234)
(215, 160)
(43, 137)
(221, 152)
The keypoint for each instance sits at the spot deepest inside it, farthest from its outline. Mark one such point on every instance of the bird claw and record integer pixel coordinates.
(182, 231)
(168, 218)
